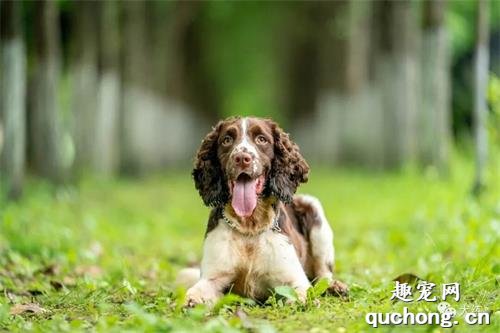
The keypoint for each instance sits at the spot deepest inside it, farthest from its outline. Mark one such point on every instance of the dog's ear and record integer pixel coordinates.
(209, 179)
(288, 168)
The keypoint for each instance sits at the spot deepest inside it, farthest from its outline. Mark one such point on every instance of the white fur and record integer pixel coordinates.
(245, 145)
(321, 240)
(273, 262)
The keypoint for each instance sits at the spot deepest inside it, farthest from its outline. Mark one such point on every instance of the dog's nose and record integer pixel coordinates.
(242, 159)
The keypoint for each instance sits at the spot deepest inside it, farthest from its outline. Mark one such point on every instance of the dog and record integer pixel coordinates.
(259, 235)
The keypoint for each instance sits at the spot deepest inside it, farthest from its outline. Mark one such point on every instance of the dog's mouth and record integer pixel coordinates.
(245, 191)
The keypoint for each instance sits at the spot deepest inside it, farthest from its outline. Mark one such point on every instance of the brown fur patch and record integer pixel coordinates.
(245, 284)
(306, 213)
(308, 218)
(249, 249)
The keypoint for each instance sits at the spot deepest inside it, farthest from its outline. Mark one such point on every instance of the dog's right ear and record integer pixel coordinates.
(289, 168)
(208, 177)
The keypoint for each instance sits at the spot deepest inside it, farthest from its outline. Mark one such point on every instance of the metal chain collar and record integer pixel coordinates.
(275, 226)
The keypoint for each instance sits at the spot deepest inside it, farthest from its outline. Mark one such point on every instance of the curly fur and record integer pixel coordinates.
(208, 177)
(289, 168)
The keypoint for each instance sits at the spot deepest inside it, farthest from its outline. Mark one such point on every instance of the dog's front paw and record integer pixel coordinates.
(193, 297)
(338, 288)
(191, 302)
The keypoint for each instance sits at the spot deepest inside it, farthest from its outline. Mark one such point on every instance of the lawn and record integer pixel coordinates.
(103, 256)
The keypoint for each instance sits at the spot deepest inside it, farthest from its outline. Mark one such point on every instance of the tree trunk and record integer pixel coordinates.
(301, 72)
(156, 120)
(199, 87)
(480, 89)
(328, 73)
(397, 76)
(435, 113)
(495, 49)
(45, 116)
(135, 84)
(84, 78)
(107, 118)
(12, 98)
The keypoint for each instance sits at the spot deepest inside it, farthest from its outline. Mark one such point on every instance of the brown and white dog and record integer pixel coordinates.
(259, 234)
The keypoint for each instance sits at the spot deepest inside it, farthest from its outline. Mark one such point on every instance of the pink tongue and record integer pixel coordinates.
(244, 197)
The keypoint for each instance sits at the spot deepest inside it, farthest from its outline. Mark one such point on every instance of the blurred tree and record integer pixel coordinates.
(166, 94)
(83, 72)
(303, 30)
(460, 20)
(328, 80)
(45, 117)
(107, 119)
(136, 78)
(495, 49)
(397, 75)
(12, 97)
(200, 89)
(481, 64)
(346, 94)
(435, 113)
(356, 82)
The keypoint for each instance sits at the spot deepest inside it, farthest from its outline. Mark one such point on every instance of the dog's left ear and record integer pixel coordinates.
(288, 168)
(208, 177)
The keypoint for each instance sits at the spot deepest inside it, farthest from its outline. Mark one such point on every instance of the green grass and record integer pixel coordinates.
(104, 256)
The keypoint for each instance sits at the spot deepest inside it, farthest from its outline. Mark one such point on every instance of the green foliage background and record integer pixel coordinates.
(103, 255)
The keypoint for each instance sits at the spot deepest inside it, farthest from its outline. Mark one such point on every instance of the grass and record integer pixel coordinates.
(104, 256)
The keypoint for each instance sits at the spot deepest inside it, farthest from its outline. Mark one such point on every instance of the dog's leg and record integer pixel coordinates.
(218, 268)
(321, 239)
(284, 267)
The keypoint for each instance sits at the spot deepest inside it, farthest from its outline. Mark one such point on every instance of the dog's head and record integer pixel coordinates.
(243, 159)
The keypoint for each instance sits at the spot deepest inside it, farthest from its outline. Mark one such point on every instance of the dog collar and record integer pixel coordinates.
(275, 226)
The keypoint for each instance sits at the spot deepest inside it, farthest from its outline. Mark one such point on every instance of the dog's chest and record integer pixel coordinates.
(257, 261)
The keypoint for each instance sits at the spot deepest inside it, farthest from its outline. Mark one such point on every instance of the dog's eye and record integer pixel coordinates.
(261, 139)
(227, 140)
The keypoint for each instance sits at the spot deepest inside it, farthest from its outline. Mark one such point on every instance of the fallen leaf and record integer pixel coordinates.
(35, 292)
(56, 285)
(52, 269)
(91, 271)
(407, 278)
(151, 274)
(10, 295)
(18, 293)
(69, 281)
(34, 308)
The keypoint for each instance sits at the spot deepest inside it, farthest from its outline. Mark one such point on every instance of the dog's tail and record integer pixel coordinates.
(187, 277)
